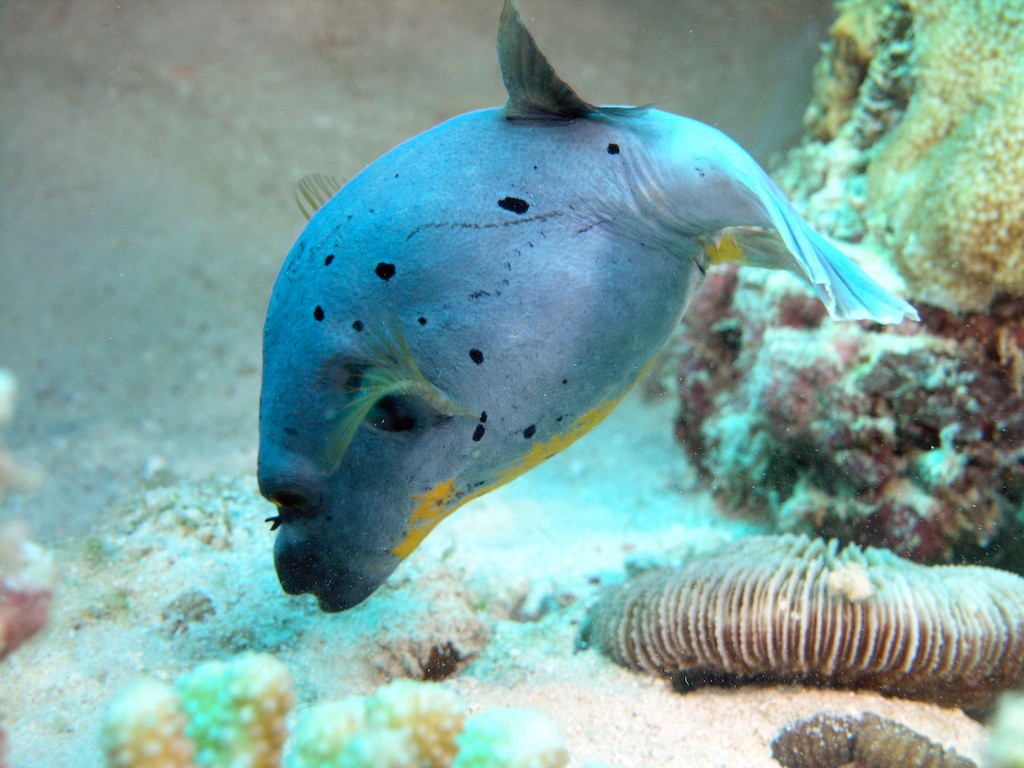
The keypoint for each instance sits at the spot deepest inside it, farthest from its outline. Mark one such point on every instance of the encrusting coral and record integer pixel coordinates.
(228, 714)
(868, 741)
(15, 476)
(914, 141)
(790, 608)
(949, 179)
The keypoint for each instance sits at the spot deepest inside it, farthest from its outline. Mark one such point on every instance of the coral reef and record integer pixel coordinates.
(791, 608)
(15, 476)
(909, 438)
(914, 134)
(27, 578)
(226, 714)
(869, 741)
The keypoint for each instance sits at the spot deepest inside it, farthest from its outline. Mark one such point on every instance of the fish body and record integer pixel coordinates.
(482, 295)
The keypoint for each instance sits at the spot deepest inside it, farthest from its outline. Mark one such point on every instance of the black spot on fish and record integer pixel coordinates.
(329, 259)
(318, 313)
(291, 431)
(423, 321)
(478, 294)
(699, 171)
(357, 326)
(559, 418)
(483, 416)
(514, 204)
(565, 381)
(476, 356)
(396, 175)
(385, 271)
(613, 149)
(478, 433)
(530, 431)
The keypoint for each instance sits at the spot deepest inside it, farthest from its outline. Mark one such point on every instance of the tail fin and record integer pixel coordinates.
(845, 289)
(850, 293)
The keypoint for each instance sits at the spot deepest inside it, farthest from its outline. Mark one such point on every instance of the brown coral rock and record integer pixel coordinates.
(907, 438)
(793, 609)
(869, 741)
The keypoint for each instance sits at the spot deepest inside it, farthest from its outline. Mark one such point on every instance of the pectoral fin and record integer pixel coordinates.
(313, 191)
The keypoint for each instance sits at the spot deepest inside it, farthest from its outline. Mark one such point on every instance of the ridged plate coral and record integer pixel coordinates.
(796, 609)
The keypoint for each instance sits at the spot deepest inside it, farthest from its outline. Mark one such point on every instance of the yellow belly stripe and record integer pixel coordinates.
(435, 505)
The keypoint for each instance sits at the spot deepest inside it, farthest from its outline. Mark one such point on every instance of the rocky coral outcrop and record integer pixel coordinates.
(911, 437)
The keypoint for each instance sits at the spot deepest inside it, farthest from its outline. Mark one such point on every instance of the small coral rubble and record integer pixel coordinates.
(911, 438)
(27, 578)
(15, 476)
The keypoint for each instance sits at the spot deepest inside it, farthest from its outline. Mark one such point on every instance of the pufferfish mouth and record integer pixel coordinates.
(347, 580)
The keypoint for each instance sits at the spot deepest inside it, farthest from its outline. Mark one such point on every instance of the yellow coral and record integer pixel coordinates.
(145, 728)
(949, 179)
(433, 715)
(231, 714)
(223, 714)
(323, 730)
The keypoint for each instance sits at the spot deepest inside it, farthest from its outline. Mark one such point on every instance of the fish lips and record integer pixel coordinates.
(339, 581)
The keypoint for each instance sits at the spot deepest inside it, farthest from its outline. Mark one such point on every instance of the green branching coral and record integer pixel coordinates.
(227, 714)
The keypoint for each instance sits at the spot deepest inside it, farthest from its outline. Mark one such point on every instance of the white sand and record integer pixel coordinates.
(148, 155)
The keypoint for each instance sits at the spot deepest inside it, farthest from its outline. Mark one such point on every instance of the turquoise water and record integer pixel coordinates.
(148, 160)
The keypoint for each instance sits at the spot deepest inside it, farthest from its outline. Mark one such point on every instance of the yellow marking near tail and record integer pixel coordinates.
(725, 251)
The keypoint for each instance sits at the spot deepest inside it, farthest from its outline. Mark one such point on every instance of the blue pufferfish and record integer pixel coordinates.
(480, 297)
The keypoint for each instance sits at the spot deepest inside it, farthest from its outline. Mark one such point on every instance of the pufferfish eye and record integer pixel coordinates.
(394, 413)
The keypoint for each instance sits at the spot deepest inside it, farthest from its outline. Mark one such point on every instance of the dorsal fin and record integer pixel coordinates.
(313, 190)
(534, 90)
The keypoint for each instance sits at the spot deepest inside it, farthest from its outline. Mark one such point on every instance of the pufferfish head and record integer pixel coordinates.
(361, 463)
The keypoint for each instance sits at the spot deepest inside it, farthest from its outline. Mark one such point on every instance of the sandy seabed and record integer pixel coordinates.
(148, 155)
